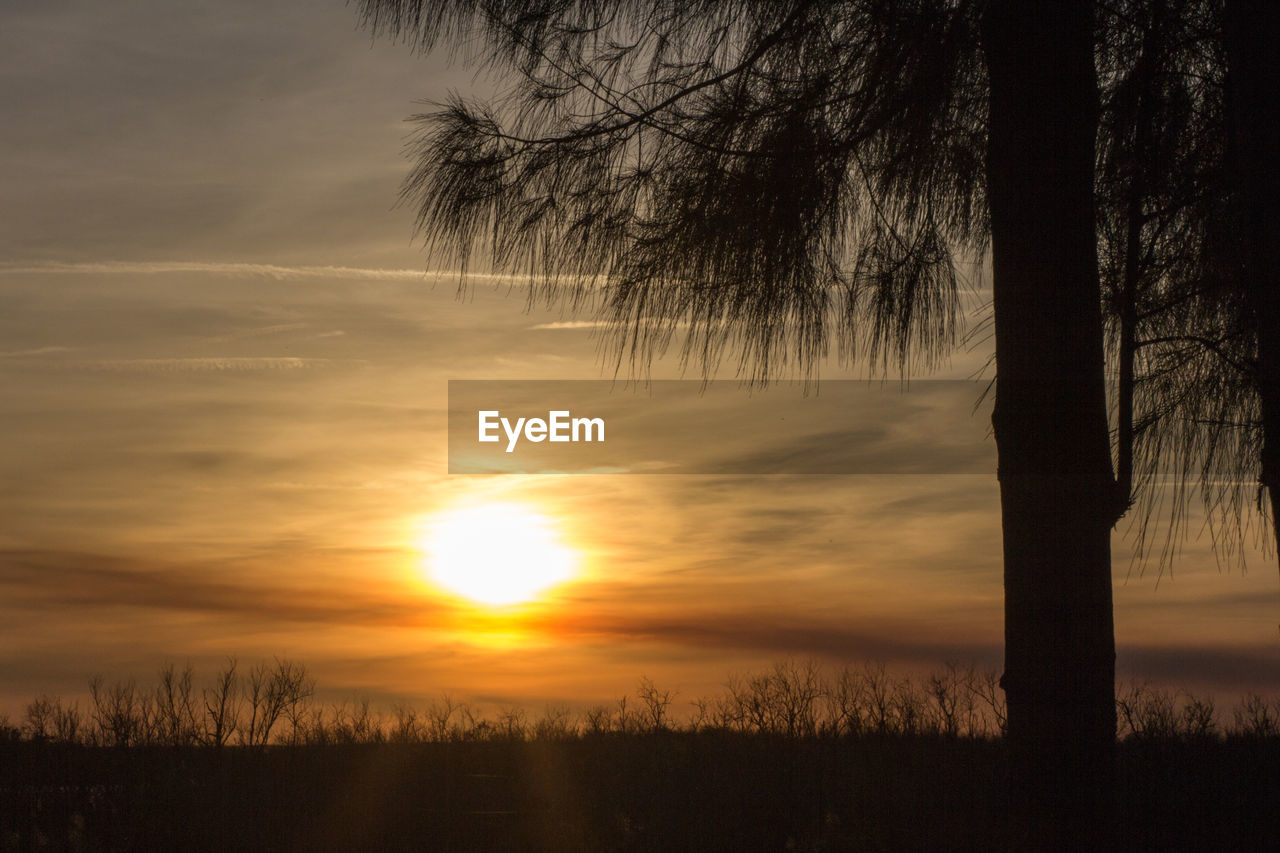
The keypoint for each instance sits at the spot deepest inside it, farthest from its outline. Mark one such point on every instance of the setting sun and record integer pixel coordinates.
(496, 554)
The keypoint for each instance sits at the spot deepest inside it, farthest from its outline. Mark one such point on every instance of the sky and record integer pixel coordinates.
(225, 359)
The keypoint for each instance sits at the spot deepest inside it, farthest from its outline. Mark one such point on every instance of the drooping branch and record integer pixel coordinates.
(769, 198)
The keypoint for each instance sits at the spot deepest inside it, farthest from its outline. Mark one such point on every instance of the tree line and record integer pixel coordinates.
(276, 704)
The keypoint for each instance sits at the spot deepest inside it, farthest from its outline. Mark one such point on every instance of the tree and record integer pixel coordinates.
(222, 706)
(1161, 145)
(1251, 195)
(1184, 203)
(118, 715)
(1050, 419)
(175, 707)
(769, 178)
(273, 694)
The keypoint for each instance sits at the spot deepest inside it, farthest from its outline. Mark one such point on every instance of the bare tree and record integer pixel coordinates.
(355, 724)
(626, 720)
(655, 702)
(512, 723)
(846, 702)
(48, 718)
(176, 707)
(952, 701)
(442, 723)
(407, 727)
(118, 715)
(598, 720)
(275, 693)
(222, 706)
(556, 723)
(1255, 717)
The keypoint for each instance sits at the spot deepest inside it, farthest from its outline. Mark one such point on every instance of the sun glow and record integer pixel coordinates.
(496, 554)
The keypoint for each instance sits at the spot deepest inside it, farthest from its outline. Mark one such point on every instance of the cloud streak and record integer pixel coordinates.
(214, 364)
(35, 351)
(569, 325)
(58, 580)
(239, 269)
(73, 584)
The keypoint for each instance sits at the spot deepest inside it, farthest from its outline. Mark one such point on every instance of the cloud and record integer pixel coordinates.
(757, 632)
(574, 324)
(261, 331)
(273, 271)
(60, 580)
(205, 364)
(27, 353)
(171, 365)
(1225, 670)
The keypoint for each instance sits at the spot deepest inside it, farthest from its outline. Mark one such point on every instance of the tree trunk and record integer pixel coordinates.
(1253, 146)
(1050, 421)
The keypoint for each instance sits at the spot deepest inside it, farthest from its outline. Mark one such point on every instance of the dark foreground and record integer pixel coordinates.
(651, 792)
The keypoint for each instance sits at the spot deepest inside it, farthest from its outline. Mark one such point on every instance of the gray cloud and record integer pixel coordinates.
(781, 636)
(67, 581)
(1225, 671)
(145, 128)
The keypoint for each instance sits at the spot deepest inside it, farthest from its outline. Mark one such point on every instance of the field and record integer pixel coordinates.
(666, 791)
(787, 759)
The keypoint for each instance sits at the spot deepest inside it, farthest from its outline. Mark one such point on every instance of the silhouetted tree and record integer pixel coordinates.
(1050, 419)
(118, 716)
(48, 718)
(1160, 145)
(176, 723)
(1252, 203)
(274, 694)
(768, 178)
(222, 706)
(1182, 269)
(656, 702)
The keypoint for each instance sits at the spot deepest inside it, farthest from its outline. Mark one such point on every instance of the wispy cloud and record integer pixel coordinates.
(259, 332)
(171, 365)
(573, 324)
(27, 353)
(274, 271)
(214, 364)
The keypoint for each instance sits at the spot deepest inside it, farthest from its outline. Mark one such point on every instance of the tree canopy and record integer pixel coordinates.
(775, 180)
(768, 178)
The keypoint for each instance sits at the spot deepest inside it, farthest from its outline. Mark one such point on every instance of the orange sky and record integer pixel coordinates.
(223, 425)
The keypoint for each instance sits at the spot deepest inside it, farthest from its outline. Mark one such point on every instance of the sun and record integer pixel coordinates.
(496, 554)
